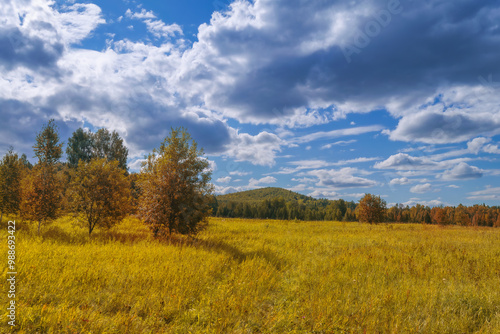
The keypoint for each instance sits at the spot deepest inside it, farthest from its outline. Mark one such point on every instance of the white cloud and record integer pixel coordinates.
(265, 180)
(259, 150)
(316, 164)
(338, 143)
(304, 179)
(143, 14)
(221, 190)
(440, 124)
(156, 27)
(431, 203)
(403, 161)
(342, 178)
(309, 164)
(400, 181)
(238, 173)
(338, 133)
(493, 149)
(477, 144)
(324, 194)
(421, 188)
(462, 171)
(489, 193)
(226, 179)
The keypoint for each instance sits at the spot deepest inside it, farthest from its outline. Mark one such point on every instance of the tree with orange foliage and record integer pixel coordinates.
(371, 209)
(439, 215)
(100, 193)
(175, 186)
(40, 188)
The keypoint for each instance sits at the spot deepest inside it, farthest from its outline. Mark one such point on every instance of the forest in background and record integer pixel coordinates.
(277, 203)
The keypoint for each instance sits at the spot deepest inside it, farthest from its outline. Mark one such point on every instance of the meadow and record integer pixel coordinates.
(257, 276)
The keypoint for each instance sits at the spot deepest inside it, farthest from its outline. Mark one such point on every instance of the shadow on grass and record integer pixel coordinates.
(53, 232)
(220, 246)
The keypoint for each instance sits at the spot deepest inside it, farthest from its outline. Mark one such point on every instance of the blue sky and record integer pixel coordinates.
(331, 99)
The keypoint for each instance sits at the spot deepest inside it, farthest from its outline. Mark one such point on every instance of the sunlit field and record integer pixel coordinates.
(257, 276)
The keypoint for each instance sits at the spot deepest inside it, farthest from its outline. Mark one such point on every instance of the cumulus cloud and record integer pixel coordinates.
(260, 149)
(489, 193)
(400, 181)
(421, 188)
(403, 161)
(17, 49)
(226, 179)
(259, 62)
(221, 190)
(324, 194)
(265, 180)
(431, 203)
(156, 27)
(310, 71)
(493, 149)
(342, 178)
(462, 171)
(477, 144)
(436, 127)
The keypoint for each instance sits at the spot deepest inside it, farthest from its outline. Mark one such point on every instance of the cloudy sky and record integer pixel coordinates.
(331, 99)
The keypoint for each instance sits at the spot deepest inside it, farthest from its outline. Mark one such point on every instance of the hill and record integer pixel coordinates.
(269, 193)
(278, 203)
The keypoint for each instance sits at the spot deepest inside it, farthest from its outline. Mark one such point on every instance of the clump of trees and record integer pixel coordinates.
(172, 193)
(85, 146)
(476, 215)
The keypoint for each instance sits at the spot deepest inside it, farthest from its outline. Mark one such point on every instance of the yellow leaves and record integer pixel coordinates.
(172, 182)
(101, 191)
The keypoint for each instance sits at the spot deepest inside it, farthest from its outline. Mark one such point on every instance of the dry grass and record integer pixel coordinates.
(251, 276)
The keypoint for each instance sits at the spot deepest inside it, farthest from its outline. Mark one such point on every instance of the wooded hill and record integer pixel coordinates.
(278, 203)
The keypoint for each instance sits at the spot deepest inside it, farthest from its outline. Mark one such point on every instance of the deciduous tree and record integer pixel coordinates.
(40, 188)
(371, 209)
(100, 193)
(109, 145)
(79, 147)
(85, 145)
(175, 184)
(11, 168)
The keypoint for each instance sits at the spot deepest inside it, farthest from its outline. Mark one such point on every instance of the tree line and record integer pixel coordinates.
(370, 208)
(170, 194)
(279, 208)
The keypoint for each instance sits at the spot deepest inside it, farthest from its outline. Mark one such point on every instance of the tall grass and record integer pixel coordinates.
(251, 276)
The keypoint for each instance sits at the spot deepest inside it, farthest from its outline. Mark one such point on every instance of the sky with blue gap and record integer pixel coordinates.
(332, 99)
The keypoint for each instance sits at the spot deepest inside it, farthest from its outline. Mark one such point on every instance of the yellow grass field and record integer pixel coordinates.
(256, 276)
